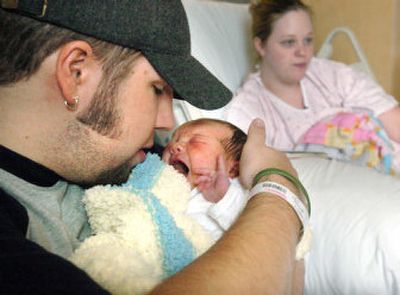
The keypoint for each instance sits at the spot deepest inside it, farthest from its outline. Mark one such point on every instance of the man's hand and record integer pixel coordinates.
(213, 184)
(256, 156)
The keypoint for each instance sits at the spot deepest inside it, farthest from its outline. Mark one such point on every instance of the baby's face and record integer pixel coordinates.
(197, 147)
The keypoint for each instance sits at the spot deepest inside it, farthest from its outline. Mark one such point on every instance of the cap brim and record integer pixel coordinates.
(190, 80)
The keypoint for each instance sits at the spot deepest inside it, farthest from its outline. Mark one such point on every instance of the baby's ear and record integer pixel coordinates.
(234, 169)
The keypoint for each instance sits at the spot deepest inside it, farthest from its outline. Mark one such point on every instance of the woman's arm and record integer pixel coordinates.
(257, 255)
(358, 90)
(391, 122)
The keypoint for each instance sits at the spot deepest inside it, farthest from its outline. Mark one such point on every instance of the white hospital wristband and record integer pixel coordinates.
(283, 192)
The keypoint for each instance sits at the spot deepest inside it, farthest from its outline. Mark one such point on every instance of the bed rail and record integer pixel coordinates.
(326, 49)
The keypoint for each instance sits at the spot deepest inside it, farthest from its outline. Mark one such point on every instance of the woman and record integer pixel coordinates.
(292, 90)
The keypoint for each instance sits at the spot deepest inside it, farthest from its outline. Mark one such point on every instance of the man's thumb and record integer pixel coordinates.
(256, 133)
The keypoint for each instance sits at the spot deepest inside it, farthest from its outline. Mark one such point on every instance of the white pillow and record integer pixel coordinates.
(221, 41)
(356, 229)
(221, 38)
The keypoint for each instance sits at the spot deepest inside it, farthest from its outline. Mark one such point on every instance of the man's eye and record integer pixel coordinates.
(158, 90)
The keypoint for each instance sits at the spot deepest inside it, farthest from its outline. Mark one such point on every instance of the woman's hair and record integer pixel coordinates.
(233, 145)
(266, 12)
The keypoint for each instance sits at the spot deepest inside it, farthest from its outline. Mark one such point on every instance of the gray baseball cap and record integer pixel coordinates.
(157, 28)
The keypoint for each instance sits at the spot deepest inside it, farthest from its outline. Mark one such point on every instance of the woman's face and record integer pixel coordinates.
(287, 52)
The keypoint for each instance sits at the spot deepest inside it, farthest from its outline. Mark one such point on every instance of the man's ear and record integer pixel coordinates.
(72, 67)
(234, 169)
(259, 46)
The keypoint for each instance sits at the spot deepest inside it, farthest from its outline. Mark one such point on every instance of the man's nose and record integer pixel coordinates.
(165, 117)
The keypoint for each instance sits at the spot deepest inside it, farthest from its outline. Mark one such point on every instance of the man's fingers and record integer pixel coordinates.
(256, 133)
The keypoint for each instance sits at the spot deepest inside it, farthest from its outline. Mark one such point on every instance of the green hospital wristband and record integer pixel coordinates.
(288, 176)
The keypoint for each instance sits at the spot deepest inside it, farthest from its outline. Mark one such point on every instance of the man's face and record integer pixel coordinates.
(195, 147)
(143, 103)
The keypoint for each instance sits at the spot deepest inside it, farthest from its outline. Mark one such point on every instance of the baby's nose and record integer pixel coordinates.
(176, 148)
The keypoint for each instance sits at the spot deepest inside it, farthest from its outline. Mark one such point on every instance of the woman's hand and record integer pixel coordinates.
(391, 122)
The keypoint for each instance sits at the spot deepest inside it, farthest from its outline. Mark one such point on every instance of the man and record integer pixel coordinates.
(83, 86)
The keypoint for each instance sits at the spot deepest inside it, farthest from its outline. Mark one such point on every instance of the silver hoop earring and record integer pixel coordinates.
(72, 106)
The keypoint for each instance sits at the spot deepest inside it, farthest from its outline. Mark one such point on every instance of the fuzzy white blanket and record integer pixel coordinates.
(141, 232)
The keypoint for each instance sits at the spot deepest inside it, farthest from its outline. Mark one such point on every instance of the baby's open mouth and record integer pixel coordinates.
(180, 167)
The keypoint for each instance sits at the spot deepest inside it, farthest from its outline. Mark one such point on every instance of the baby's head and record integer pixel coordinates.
(198, 143)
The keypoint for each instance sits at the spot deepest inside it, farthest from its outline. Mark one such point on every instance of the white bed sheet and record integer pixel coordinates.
(356, 228)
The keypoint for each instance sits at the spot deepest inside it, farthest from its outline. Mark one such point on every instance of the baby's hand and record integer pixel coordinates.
(213, 184)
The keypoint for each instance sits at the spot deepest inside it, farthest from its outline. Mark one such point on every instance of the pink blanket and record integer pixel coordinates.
(353, 137)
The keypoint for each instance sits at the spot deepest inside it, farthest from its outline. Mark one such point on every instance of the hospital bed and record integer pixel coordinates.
(356, 211)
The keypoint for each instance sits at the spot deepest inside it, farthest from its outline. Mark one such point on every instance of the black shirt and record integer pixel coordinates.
(26, 267)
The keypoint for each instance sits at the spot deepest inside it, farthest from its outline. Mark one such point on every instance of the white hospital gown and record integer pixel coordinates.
(328, 88)
(216, 218)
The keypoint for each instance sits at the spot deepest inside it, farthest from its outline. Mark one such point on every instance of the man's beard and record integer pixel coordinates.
(115, 176)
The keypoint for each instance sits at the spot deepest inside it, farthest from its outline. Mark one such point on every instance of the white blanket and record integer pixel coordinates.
(356, 229)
